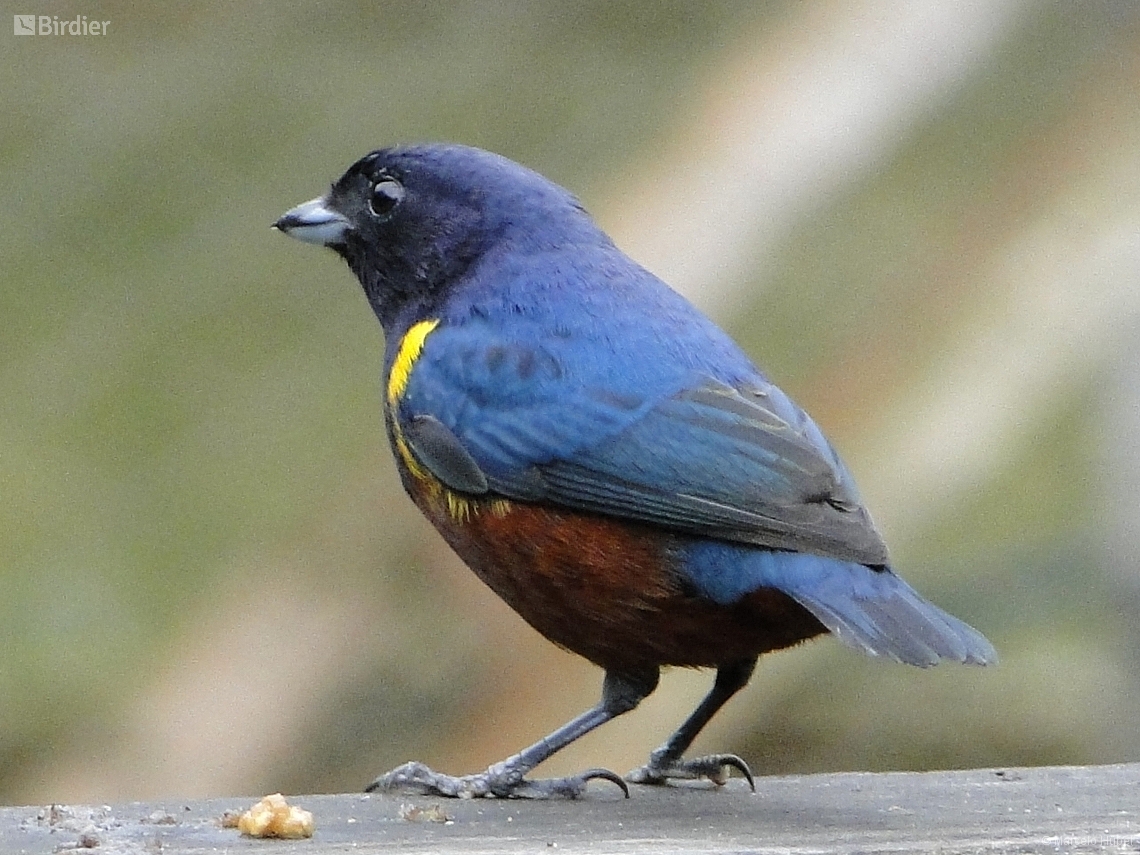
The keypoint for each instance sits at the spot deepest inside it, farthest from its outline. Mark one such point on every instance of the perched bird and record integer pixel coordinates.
(602, 455)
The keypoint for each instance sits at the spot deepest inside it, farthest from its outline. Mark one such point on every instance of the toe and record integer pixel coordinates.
(712, 767)
(571, 787)
(644, 775)
(419, 778)
(501, 780)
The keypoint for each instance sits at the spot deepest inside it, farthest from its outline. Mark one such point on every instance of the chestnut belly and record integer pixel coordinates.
(610, 590)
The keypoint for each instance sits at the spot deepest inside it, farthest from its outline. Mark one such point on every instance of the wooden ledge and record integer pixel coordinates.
(1048, 810)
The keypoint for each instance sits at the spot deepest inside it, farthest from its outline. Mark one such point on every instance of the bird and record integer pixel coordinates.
(603, 456)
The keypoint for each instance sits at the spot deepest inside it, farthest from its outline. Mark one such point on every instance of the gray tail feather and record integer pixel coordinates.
(895, 622)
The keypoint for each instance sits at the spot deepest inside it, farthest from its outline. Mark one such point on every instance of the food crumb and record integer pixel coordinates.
(272, 817)
(433, 813)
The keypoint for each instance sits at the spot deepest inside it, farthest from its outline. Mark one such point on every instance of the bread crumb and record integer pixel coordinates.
(274, 817)
(433, 813)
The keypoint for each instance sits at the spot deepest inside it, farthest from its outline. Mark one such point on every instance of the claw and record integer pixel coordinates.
(730, 761)
(606, 775)
(501, 781)
(712, 767)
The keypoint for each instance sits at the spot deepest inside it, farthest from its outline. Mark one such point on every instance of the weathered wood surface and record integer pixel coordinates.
(1064, 809)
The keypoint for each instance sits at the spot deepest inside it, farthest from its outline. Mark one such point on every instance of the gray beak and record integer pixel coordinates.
(314, 222)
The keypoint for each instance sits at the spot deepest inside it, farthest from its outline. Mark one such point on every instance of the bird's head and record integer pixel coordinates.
(412, 221)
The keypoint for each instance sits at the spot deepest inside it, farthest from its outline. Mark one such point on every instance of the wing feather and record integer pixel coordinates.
(735, 461)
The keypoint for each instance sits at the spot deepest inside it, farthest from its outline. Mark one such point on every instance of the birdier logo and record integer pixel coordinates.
(51, 25)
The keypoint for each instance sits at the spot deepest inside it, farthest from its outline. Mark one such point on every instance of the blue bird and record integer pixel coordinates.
(602, 455)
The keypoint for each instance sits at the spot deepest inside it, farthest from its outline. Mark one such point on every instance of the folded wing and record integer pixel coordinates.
(732, 461)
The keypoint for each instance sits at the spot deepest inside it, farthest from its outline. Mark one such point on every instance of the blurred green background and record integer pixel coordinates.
(922, 218)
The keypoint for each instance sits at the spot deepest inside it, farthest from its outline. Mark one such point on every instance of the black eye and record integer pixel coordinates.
(386, 195)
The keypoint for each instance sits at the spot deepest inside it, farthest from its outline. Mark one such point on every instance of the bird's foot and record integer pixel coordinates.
(500, 780)
(713, 767)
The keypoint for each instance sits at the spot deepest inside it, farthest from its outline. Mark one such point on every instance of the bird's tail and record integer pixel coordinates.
(873, 610)
(868, 608)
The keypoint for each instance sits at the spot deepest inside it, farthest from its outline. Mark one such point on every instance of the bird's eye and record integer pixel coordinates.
(386, 195)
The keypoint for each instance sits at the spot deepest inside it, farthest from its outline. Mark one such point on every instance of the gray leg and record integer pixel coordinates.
(620, 694)
(665, 763)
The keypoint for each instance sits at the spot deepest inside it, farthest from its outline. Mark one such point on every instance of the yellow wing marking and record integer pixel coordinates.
(460, 508)
(410, 349)
(411, 346)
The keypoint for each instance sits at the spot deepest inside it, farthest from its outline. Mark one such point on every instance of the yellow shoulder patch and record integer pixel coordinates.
(411, 346)
(460, 508)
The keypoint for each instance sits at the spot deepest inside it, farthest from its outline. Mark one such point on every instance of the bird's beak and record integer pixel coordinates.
(314, 222)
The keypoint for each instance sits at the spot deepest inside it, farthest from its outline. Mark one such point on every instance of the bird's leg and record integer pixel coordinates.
(665, 763)
(620, 693)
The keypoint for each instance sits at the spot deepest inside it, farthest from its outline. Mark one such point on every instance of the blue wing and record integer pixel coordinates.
(684, 435)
